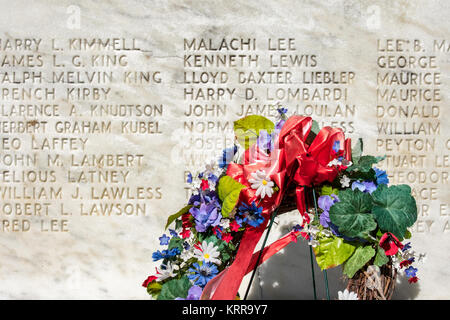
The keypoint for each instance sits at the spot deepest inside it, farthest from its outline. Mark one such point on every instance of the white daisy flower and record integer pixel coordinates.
(345, 181)
(168, 272)
(186, 255)
(346, 295)
(207, 252)
(334, 162)
(261, 183)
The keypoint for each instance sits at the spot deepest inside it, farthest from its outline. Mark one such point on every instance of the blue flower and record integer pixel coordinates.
(369, 186)
(173, 233)
(249, 214)
(164, 240)
(194, 293)
(227, 156)
(358, 185)
(213, 178)
(189, 178)
(282, 111)
(325, 202)
(297, 228)
(407, 246)
(336, 146)
(201, 274)
(264, 141)
(186, 245)
(411, 271)
(381, 175)
(205, 216)
(165, 254)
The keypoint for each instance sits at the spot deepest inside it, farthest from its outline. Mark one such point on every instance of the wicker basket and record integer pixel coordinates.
(363, 283)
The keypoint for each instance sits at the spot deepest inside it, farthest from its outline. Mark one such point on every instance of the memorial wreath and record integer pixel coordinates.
(349, 215)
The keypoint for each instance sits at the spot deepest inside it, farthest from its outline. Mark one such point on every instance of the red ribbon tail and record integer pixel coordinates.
(300, 192)
(270, 250)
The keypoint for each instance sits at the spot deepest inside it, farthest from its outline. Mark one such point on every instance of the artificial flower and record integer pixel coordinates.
(249, 214)
(227, 156)
(358, 185)
(264, 141)
(189, 178)
(234, 226)
(186, 233)
(261, 183)
(173, 233)
(227, 237)
(347, 295)
(186, 255)
(381, 175)
(325, 202)
(194, 293)
(158, 255)
(225, 223)
(369, 186)
(413, 279)
(202, 273)
(164, 240)
(205, 216)
(390, 244)
(345, 181)
(207, 252)
(204, 184)
(336, 146)
(410, 271)
(167, 270)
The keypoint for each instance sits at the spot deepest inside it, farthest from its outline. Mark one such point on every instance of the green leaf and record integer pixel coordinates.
(175, 288)
(332, 251)
(380, 259)
(154, 288)
(328, 190)
(394, 209)
(247, 129)
(352, 214)
(364, 163)
(361, 256)
(176, 242)
(177, 215)
(228, 191)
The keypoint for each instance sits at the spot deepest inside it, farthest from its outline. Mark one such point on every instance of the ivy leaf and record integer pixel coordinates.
(332, 251)
(228, 191)
(364, 163)
(247, 129)
(177, 215)
(353, 213)
(380, 259)
(394, 209)
(175, 288)
(361, 256)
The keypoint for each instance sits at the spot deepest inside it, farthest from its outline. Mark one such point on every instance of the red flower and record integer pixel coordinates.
(186, 222)
(227, 237)
(405, 263)
(148, 281)
(304, 235)
(413, 279)
(185, 233)
(234, 226)
(204, 185)
(390, 244)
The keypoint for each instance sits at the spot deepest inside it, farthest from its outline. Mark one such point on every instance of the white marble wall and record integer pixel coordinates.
(109, 257)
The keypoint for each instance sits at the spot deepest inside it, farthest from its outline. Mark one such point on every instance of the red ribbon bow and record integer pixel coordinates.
(291, 161)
